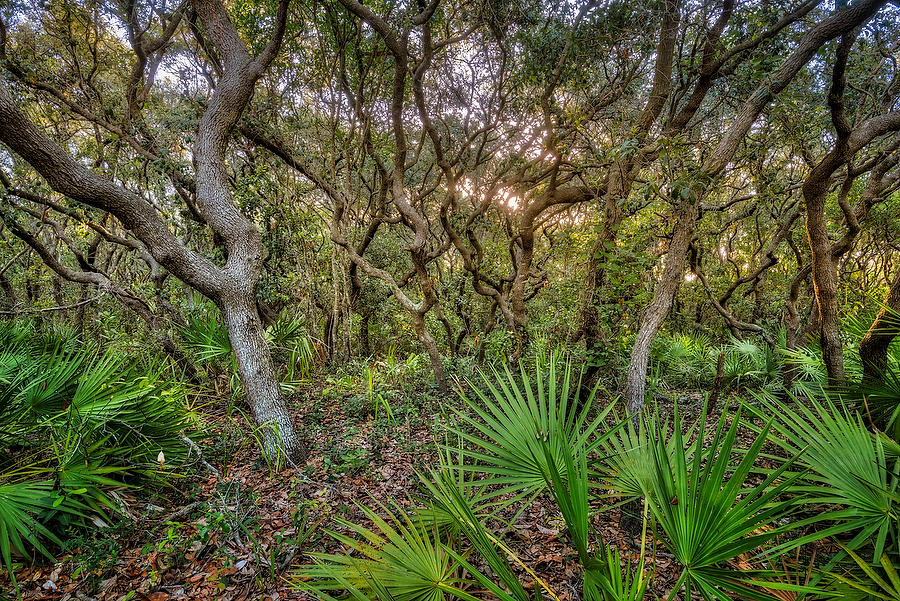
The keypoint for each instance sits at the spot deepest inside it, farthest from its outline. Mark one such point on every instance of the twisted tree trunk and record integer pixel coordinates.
(258, 375)
(838, 23)
(873, 350)
(232, 286)
(664, 295)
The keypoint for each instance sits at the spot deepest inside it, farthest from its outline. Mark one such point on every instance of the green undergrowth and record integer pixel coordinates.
(78, 424)
(744, 504)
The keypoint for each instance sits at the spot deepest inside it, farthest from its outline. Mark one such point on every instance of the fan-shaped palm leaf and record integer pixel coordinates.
(514, 422)
(401, 555)
(707, 512)
(850, 468)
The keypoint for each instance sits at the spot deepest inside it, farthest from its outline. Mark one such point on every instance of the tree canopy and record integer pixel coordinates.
(677, 193)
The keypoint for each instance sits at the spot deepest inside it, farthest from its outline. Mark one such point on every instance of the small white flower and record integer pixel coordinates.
(161, 458)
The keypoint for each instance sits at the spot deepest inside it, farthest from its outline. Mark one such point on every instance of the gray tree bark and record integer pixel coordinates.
(841, 21)
(666, 288)
(231, 287)
(873, 350)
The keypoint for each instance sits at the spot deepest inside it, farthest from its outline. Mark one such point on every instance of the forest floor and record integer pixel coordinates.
(238, 534)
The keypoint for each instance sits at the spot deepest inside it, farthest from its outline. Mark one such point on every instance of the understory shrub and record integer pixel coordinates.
(75, 425)
(737, 518)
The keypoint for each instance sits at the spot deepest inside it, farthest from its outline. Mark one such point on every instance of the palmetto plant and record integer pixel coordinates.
(689, 360)
(709, 513)
(450, 496)
(626, 462)
(811, 375)
(20, 530)
(206, 337)
(401, 554)
(682, 359)
(523, 437)
(604, 577)
(610, 580)
(877, 398)
(748, 363)
(870, 582)
(809, 368)
(879, 401)
(408, 555)
(851, 469)
(517, 429)
(293, 345)
(75, 423)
